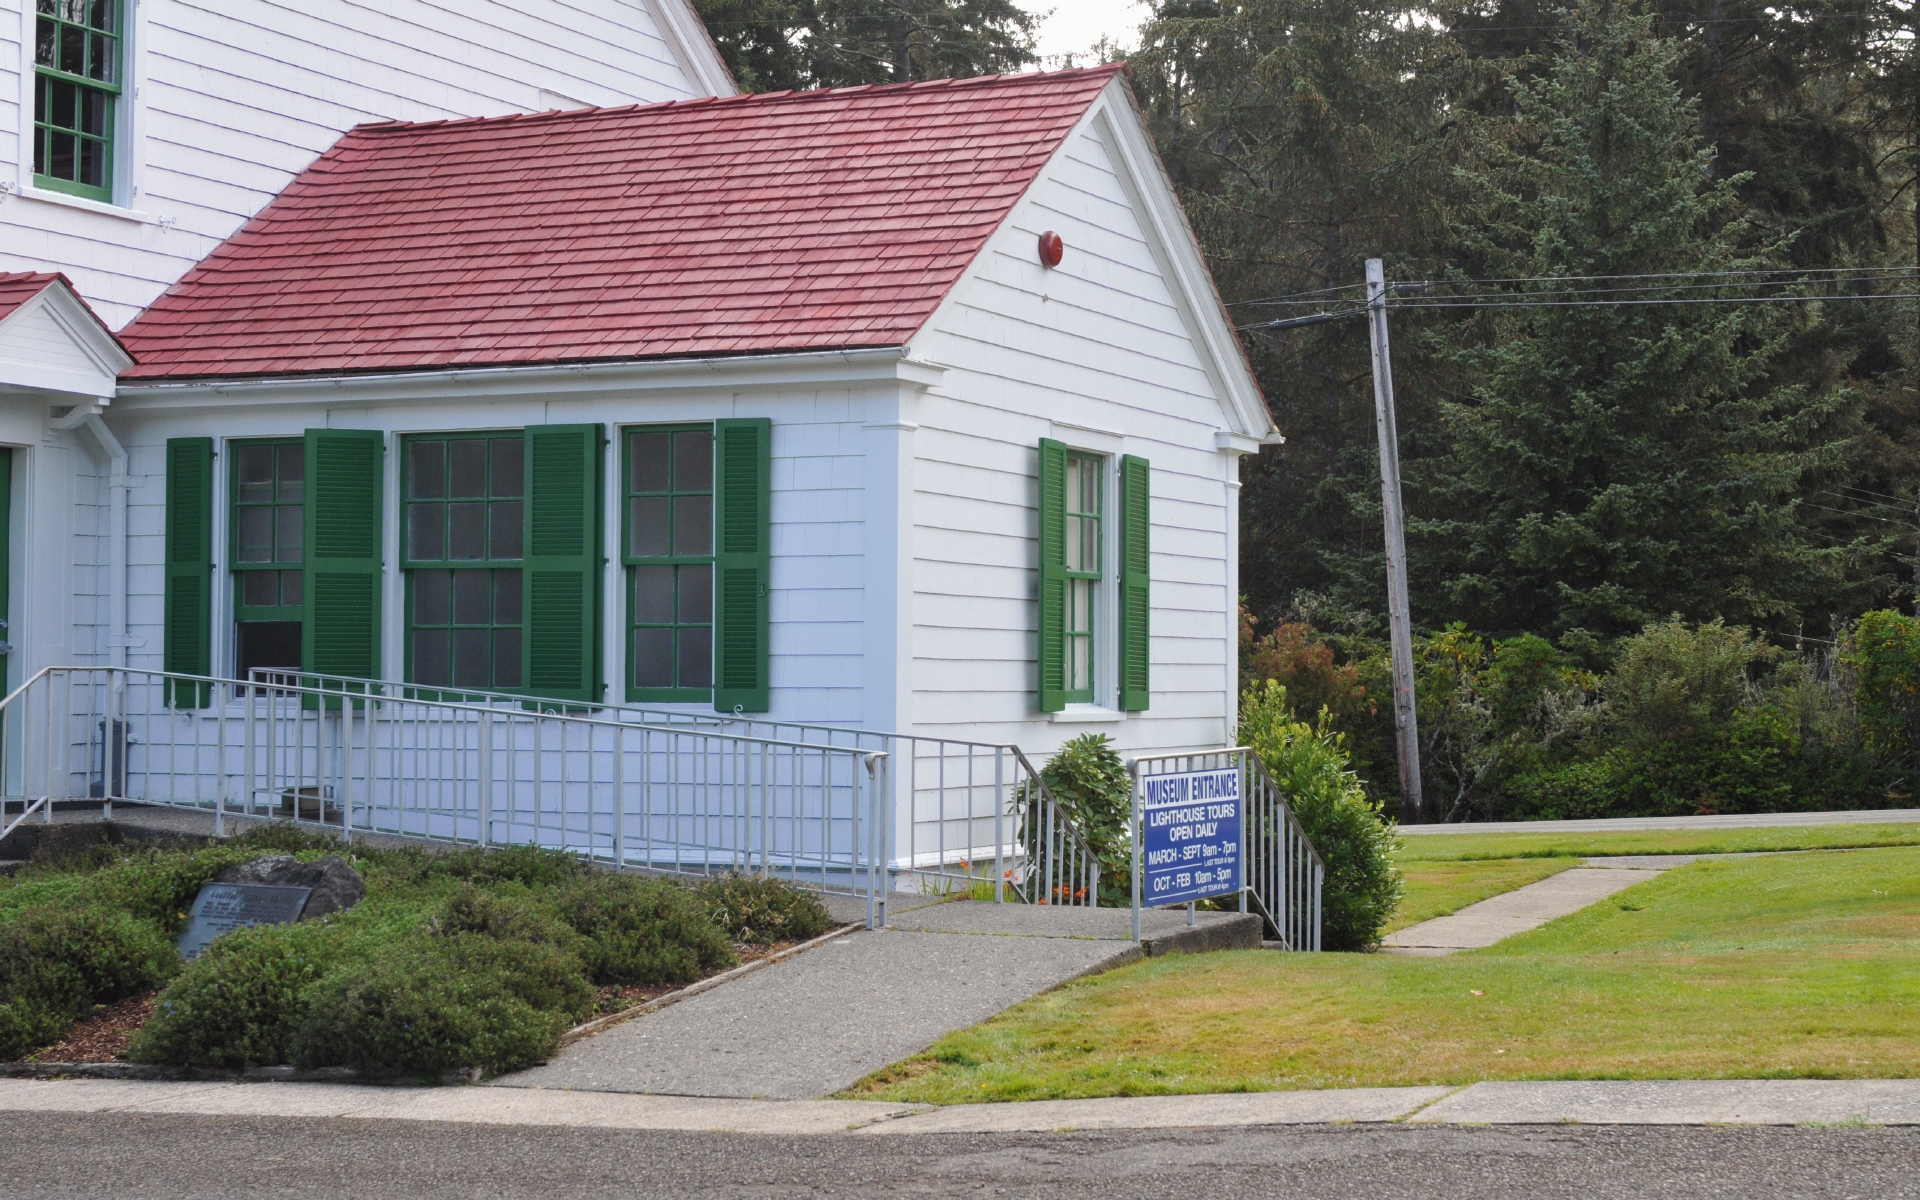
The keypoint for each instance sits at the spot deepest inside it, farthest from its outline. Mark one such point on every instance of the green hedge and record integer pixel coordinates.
(454, 960)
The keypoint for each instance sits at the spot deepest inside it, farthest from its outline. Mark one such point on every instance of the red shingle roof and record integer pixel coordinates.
(743, 225)
(18, 287)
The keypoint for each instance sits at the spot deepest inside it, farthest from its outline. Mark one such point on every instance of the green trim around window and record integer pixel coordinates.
(266, 551)
(77, 69)
(463, 549)
(666, 547)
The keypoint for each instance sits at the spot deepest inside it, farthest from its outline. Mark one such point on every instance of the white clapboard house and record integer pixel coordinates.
(906, 408)
(137, 135)
(771, 404)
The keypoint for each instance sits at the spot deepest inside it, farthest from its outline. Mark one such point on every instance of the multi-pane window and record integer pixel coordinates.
(1082, 573)
(269, 528)
(464, 544)
(668, 551)
(76, 89)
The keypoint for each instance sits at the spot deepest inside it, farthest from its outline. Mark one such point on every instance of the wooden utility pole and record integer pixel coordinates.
(1405, 723)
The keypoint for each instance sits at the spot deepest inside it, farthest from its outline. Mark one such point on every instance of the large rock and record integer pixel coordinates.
(335, 884)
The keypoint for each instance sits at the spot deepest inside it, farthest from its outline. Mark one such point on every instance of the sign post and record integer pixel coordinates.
(1188, 835)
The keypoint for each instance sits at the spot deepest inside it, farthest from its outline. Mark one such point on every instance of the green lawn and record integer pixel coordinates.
(1448, 847)
(1796, 965)
(1434, 889)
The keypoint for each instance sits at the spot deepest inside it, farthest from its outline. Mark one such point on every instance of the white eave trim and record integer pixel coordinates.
(687, 35)
(887, 366)
(70, 314)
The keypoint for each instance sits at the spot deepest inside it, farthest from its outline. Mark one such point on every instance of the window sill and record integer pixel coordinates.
(1086, 714)
(27, 191)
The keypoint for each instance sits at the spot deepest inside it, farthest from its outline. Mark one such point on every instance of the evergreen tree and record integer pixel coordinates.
(1306, 136)
(777, 44)
(1613, 464)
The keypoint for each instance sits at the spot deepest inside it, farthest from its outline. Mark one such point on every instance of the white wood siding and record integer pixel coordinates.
(817, 536)
(235, 97)
(1100, 344)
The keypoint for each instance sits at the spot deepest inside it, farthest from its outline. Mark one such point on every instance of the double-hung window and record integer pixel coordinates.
(269, 490)
(77, 71)
(1082, 573)
(669, 559)
(1094, 601)
(464, 550)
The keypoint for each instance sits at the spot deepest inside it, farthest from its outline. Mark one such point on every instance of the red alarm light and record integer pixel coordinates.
(1051, 248)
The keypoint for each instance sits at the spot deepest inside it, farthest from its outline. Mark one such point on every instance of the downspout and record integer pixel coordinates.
(117, 487)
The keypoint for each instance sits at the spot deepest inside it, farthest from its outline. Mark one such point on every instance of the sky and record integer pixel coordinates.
(1077, 24)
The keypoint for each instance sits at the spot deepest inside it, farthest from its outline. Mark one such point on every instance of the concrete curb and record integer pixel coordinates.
(1808, 1102)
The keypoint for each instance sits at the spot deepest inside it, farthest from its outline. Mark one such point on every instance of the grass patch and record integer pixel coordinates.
(1466, 847)
(1785, 967)
(1435, 889)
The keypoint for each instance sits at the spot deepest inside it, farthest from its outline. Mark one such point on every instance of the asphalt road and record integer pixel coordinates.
(124, 1155)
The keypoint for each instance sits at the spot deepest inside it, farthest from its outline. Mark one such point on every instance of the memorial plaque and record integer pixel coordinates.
(1190, 844)
(223, 907)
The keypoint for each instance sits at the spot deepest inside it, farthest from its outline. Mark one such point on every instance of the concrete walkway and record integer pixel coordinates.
(1882, 816)
(1667, 1102)
(819, 1022)
(1530, 907)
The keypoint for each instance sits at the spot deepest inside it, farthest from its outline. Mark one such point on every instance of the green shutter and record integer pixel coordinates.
(742, 543)
(1053, 580)
(563, 561)
(340, 634)
(189, 596)
(1136, 520)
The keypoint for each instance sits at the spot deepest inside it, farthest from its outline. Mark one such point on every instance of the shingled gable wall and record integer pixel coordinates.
(903, 505)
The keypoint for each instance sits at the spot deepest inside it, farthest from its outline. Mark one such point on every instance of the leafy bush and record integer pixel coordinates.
(56, 963)
(1354, 838)
(1094, 790)
(433, 1003)
(755, 909)
(504, 916)
(1672, 680)
(641, 930)
(1883, 653)
(243, 1001)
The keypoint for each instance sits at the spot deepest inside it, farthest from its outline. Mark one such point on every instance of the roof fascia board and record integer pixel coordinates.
(884, 367)
(1178, 252)
(687, 35)
(83, 329)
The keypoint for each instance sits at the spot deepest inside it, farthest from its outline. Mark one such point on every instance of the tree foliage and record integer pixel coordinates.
(771, 45)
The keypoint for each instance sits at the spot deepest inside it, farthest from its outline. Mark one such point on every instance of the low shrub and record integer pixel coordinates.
(640, 931)
(752, 908)
(56, 963)
(1355, 839)
(243, 1001)
(512, 916)
(433, 1003)
(1092, 786)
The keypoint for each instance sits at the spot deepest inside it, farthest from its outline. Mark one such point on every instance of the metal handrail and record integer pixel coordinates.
(708, 798)
(983, 846)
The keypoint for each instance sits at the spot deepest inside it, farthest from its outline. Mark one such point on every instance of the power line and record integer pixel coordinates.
(1483, 303)
(1782, 277)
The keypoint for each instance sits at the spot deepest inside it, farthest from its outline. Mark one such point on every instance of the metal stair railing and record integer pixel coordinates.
(1285, 874)
(358, 759)
(969, 817)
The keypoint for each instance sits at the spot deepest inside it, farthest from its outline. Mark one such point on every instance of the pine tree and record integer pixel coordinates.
(772, 45)
(1614, 464)
(1306, 136)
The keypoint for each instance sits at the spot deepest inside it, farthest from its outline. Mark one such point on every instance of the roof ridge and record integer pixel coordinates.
(787, 96)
